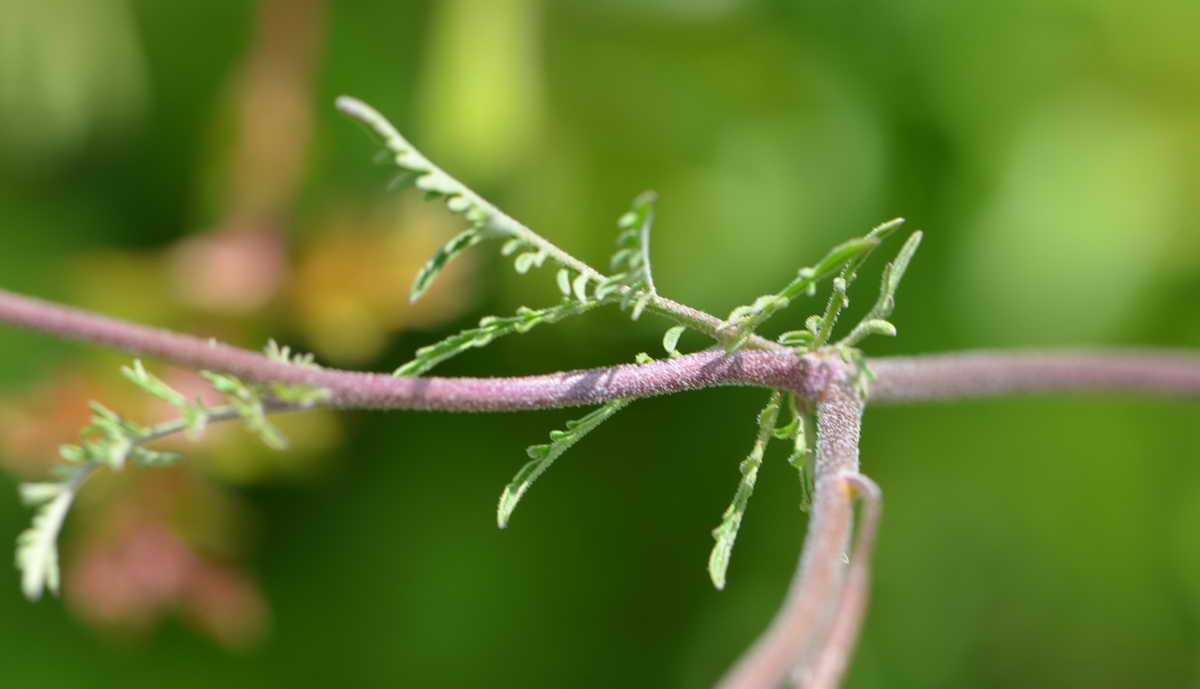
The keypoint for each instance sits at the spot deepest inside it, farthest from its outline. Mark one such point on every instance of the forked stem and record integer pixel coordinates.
(830, 665)
(808, 637)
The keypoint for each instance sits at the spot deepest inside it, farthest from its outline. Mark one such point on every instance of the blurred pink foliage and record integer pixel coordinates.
(134, 578)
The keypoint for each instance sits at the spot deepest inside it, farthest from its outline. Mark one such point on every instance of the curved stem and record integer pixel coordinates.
(806, 629)
(831, 664)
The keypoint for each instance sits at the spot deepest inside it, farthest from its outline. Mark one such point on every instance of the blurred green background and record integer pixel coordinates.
(181, 164)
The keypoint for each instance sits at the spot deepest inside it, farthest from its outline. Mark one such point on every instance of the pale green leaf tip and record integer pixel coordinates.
(670, 340)
(418, 288)
(881, 327)
(718, 563)
(508, 502)
(564, 282)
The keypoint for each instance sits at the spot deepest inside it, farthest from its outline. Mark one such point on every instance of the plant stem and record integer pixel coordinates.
(813, 636)
(829, 668)
(995, 373)
(899, 379)
(706, 323)
(807, 639)
(806, 375)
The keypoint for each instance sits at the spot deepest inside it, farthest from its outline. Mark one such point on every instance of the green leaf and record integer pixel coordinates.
(529, 260)
(640, 305)
(886, 229)
(542, 456)
(579, 287)
(744, 320)
(894, 272)
(564, 282)
(37, 546)
(801, 457)
(247, 401)
(138, 375)
(796, 338)
(489, 329)
(459, 243)
(842, 254)
(632, 261)
(155, 458)
(731, 522)
(875, 323)
(670, 340)
(487, 221)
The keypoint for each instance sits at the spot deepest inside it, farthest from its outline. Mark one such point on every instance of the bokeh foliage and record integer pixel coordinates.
(1049, 149)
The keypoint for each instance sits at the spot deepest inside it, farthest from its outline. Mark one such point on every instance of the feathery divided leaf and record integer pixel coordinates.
(542, 456)
(726, 533)
(845, 260)
(744, 320)
(838, 298)
(631, 262)
(452, 248)
(293, 393)
(110, 440)
(490, 327)
(875, 322)
(486, 221)
(247, 400)
(801, 457)
(37, 546)
(193, 413)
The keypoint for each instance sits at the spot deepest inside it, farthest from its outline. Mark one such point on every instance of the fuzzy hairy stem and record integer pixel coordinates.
(994, 373)
(899, 379)
(705, 323)
(809, 639)
(829, 668)
(805, 375)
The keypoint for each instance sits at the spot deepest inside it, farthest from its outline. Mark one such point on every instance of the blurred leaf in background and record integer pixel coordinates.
(69, 70)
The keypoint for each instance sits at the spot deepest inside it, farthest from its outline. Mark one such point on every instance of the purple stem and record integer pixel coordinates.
(806, 631)
(995, 373)
(806, 375)
(899, 379)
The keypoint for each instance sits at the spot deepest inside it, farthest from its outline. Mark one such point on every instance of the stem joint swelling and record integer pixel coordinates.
(814, 381)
